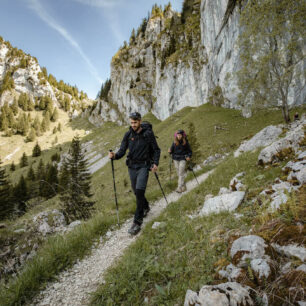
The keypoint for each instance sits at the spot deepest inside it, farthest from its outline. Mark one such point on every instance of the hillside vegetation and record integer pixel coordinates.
(218, 130)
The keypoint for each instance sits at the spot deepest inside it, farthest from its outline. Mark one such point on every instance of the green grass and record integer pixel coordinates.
(162, 264)
(32, 279)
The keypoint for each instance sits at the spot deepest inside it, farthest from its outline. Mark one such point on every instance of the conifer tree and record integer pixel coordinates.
(75, 200)
(31, 174)
(23, 160)
(36, 150)
(36, 125)
(194, 144)
(5, 199)
(51, 182)
(54, 116)
(21, 194)
(32, 135)
(59, 127)
(12, 167)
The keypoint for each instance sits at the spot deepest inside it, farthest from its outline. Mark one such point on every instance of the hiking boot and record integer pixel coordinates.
(146, 211)
(135, 229)
(179, 190)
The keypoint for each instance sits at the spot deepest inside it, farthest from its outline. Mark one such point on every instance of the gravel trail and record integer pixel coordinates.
(75, 285)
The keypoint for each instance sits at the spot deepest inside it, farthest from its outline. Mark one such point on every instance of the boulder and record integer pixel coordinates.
(74, 224)
(261, 268)
(226, 294)
(291, 250)
(278, 199)
(224, 202)
(264, 138)
(250, 246)
(231, 272)
(223, 190)
(291, 140)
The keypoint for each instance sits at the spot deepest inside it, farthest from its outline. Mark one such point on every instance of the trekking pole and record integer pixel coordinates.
(161, 187)
(191, 169)
(170, 164)
(113, 171)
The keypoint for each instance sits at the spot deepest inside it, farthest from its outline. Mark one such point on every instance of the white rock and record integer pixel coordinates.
(21, 230)
(44, 228)
(302, 155)
(301, 176)
(223, 190)
(261, 266)
(279, 198)
(191, 298)
(301, 268)
(158, 224)
(74, 224)
(291, 250)
(231, 272)
(263, 138)
(225, 202)
(231, 294)
(291, 140)
(253, 245)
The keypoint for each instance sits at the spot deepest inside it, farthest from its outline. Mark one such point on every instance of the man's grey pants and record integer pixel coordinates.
(139, 179)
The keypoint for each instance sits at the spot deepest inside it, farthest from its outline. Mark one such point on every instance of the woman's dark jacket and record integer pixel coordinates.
(180, 151)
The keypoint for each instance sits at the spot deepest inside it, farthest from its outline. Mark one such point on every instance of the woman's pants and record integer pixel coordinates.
(180, 166)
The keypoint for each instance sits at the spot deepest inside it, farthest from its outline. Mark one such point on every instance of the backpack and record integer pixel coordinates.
(148, 126)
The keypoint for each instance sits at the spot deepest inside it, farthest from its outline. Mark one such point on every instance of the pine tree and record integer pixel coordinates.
(23, 160)
(36, 150)
(5, 199)
(75, 200)
(51, 184)
(13, 167)
(59, 127)
(32, 135)
(54, 116)
(31, 174)
(54, 130)
(14, 107)
(21, 195)
(138, 77)
(194, 144)
(30, 104)
(36, 125)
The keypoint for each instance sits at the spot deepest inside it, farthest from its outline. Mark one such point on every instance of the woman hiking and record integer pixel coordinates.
(181, 152)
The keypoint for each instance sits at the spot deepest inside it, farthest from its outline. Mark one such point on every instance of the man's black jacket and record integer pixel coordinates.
(142, 147)
(180, 151)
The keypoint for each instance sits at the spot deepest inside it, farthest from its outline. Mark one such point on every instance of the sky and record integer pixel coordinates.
(74, 39)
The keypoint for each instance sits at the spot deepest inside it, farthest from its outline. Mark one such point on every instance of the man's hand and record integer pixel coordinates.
(111, 155)
(154, 168)
(188, 158)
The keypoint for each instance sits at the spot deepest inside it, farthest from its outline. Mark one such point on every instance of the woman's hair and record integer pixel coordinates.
(176, 141)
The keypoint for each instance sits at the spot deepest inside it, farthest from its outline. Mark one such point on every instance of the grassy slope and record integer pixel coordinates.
(56, 253)
(164, 263)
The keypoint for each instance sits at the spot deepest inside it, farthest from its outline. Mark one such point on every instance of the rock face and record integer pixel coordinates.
(28, 77)
(262, 139)
(291, 141)
(167, 66)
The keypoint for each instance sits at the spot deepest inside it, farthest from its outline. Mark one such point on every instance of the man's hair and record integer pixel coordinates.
(135, 116)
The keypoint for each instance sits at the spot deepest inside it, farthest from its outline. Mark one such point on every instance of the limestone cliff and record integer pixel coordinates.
(21, 73)
(175, 60)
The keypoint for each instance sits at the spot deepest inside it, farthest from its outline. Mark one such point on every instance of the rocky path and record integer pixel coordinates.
(75, 285)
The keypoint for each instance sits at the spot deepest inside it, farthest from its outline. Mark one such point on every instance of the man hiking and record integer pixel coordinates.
(143, 156)
(181, 152)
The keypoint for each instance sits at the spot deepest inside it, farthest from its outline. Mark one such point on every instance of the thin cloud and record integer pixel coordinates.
(41, 12)
(100, 3)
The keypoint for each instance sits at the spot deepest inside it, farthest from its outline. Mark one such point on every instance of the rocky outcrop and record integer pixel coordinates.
(168, 65)
(24, 71)
(230, 293)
